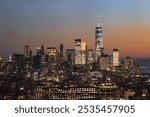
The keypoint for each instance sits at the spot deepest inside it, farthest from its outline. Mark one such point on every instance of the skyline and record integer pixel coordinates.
(125, 24)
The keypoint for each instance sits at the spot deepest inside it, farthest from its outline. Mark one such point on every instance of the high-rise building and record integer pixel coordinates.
(116, 57)
(80, 51)
(90, 56)
(27, 55)
(127, 61)
(83, 52)
(36, 62)
(26, 51)
(10, 59)
(52, 53)
(30, 53)
(38, 50)
(1, 59)
(18, 58)
(98, 42)
(70, 55)
(104, 62)
(43, 50)
(43, 54)
(61, 52)
(77, 51)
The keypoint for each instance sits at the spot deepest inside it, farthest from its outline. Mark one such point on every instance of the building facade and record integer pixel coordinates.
(104, 62)
(115, 57)
(51, 53)
(98, 42)
(90, 56)
(80, 51)
(70, 55)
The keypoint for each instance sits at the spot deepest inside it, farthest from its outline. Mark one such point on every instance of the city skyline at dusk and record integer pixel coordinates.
(125, 24)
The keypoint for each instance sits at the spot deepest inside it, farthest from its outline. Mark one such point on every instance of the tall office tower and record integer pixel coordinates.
(38, 50)
(98, 42)
(61, 52)
(77, 51)
(128, 62)
(18, 58)
(83, 52)
(43, 49)
(115, 57)
(52, 54)
(104, 62)
(1, 59)
(36, 62)
(80, 51)
(43, 54)
(90, 56)
(30, 53)
(26, 51)
(70, 55)
(10, 59)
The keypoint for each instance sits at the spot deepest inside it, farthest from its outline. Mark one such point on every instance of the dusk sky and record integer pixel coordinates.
(125, 23)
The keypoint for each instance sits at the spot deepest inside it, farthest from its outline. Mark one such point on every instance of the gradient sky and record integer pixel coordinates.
(125, 23)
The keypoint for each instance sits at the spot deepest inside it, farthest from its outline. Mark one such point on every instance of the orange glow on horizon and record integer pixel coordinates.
(131, 40)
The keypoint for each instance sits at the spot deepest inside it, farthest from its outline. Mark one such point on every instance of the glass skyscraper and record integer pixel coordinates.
(98, 41)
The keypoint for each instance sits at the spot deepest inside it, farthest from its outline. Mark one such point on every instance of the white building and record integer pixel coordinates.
(115, 57)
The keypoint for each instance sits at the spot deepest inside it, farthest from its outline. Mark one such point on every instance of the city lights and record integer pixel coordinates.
(77, 73)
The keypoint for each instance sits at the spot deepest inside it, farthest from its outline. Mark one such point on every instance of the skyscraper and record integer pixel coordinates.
(90, 56)
(10, 59)
(83, 52)
(38, 50)
(104, 62)
(98, 41)
(77, 51)
(30, 53)
(26, 51)
(43, 54)
(115, 57)
(1, 59)
(80, 51)
(61, 52)
(70, 55)
(52, 54)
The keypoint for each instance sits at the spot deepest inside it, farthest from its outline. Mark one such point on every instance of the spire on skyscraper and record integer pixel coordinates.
(98, 41)
(98, 21)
